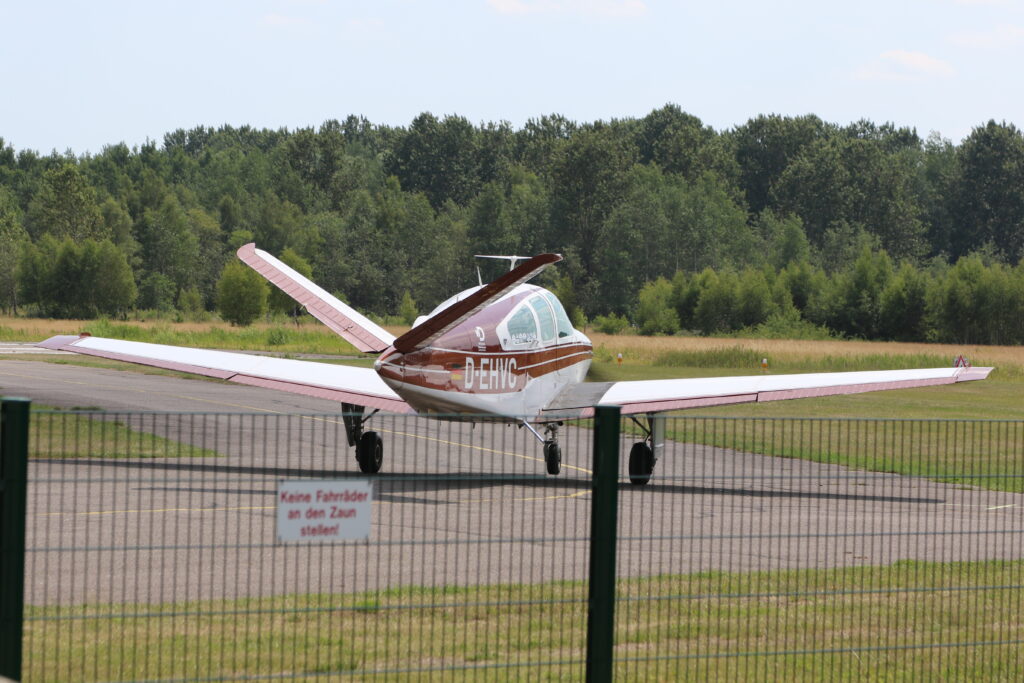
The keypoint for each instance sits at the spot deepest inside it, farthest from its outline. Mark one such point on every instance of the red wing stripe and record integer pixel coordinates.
(765, 396)
(389, 405)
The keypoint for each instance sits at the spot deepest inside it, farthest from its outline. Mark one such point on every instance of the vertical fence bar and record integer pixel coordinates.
(603, 522)
(13, 476)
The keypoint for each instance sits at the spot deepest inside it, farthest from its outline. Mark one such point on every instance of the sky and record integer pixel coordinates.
(82, 75)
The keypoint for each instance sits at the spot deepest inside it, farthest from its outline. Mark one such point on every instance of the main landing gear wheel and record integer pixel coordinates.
(370, 452)
(641, 463)
(553, 457)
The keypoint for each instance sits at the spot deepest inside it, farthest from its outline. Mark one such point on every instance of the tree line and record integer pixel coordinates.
(792, 220)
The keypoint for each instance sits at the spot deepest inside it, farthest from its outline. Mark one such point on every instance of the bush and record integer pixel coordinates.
(611, 324)
(241, 294)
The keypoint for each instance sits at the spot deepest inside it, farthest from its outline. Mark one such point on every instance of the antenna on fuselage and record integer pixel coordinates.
(512, 261)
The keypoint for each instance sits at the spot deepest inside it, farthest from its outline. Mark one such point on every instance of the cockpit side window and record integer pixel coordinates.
(522, 326)
(546, 318)
(561, 317)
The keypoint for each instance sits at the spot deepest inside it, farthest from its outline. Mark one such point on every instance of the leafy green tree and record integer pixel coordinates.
(169, 246)
(12, 237)
(764, 148)
(278, 223)
(157, 292)
(717, 303)
(439, 158)
(241, 294)
(69, 280)
(65, 206)
(538, 143)
(854, 181)
(589, 178)
(856, 302)
(190, 302)
(787, 242)
(708, 229)
(989, 191)
(407, 309)
(634, 244)
(676, 142)
(114, 292)
(903, 305)
(755, 301)
(490, 230)
(655, 314)
(937, 180)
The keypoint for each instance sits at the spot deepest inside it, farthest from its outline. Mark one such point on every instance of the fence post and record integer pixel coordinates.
(13, 475)
(603, 522)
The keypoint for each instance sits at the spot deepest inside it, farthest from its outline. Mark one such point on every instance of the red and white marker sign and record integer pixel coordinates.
(324, 511)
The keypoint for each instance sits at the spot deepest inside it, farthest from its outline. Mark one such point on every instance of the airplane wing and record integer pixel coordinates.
(358, 386)
(431, 329)
(352, 326)
(651, 396)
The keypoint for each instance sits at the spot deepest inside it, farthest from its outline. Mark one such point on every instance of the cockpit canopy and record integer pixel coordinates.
(537, 320)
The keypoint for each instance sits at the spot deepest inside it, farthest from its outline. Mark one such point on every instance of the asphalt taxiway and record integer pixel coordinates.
(456, 503)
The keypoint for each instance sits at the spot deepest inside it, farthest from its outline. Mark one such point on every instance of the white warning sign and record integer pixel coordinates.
(324, 511)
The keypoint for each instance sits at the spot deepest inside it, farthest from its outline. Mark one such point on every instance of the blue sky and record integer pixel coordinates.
(81, 75)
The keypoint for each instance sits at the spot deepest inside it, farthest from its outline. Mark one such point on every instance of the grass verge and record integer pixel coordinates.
(85, 433)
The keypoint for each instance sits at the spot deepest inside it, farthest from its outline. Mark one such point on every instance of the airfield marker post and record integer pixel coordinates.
(13, 477)
(603, 523)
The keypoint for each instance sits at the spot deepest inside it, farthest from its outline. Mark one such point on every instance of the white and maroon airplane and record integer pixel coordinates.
(504, 350)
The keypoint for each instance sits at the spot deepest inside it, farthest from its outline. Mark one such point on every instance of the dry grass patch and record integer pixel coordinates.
(635, 348)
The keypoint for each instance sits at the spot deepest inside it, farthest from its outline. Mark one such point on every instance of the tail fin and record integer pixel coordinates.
(351, 325)
(432, 328)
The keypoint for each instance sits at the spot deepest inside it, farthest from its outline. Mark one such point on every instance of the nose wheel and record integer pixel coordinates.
(553, 457)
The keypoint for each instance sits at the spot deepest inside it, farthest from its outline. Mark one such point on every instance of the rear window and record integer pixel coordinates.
(522, 327)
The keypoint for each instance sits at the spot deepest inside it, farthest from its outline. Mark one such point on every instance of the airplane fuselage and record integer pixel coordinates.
(509, 359)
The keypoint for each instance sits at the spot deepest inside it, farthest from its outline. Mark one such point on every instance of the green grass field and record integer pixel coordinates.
(907, 621)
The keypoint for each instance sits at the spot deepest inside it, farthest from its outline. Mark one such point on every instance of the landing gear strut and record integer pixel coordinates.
(369, 445)
(552, 451)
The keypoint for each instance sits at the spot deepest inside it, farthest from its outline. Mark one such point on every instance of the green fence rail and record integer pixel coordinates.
(14, 421)
(759, 549)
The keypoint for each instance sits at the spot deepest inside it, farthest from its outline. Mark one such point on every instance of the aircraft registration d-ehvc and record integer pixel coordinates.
(503, 350)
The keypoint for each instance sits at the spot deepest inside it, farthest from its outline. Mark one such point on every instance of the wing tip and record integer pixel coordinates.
(246, 250)
(970, 374)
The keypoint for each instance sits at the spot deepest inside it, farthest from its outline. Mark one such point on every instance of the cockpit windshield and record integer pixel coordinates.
(561, 317)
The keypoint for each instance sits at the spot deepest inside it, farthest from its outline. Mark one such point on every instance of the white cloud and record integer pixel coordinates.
(999, 38)
(903, 65)
(594, 8)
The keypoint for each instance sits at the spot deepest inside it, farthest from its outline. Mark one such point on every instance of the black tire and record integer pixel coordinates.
(370, 453)
(552, 457)
(641, 463)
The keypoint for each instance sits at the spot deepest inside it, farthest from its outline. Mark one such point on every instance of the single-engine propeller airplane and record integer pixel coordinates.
(503, 350)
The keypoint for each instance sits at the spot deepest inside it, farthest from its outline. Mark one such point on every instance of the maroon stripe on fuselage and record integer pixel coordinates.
(480, 372)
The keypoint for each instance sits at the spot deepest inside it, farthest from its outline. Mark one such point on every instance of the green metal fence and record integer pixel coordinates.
(759, 549)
